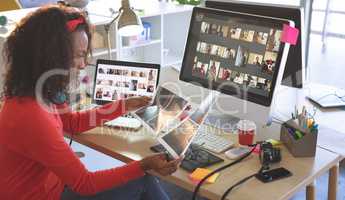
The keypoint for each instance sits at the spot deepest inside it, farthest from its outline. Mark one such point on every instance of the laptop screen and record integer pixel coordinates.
(119, 80)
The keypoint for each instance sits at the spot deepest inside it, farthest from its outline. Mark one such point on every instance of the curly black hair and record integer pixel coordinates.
(40, 43)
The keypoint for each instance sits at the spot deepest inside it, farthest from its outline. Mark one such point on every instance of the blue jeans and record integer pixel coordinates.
(145, 188)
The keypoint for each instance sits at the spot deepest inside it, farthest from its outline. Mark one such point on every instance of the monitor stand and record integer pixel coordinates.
(219, 119)
(228, 110)
(225, 122)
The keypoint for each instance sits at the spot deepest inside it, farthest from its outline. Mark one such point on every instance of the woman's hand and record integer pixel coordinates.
(159, 163)
(134, 103)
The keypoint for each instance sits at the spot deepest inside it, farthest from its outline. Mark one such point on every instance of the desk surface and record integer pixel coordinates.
(331, 120)
(127, 146)
(330, 117)
(332, 140)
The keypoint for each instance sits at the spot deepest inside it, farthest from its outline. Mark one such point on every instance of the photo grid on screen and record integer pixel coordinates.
(120, 82)
(235, 52)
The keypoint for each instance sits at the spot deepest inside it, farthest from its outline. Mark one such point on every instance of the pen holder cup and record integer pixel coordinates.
(304, 146)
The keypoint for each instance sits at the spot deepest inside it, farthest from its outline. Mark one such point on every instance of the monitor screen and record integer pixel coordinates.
(118, 80)
(236, 53)
(293, 70)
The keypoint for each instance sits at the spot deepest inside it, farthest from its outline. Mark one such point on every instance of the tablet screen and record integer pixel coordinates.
(177, 140)
(166, 107)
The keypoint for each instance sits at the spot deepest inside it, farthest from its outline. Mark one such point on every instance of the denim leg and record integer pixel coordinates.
(153, 189)
(145, 188)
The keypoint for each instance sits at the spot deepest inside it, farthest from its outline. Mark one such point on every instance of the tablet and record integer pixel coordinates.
(177, 140)
(165, 108)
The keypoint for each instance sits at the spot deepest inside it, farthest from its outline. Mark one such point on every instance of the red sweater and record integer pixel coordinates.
(36, 162)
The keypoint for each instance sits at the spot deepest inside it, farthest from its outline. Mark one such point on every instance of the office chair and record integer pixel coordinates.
(9, 5)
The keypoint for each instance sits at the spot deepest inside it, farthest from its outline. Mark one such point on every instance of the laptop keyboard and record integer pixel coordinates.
(91, 106)
(128, 115)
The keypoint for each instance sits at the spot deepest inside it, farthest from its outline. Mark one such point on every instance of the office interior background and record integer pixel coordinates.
(325, 65)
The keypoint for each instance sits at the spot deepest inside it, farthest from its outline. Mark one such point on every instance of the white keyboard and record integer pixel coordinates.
(208, 140)
(125, 121)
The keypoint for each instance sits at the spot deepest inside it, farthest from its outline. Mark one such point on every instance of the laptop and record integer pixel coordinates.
(326, 96)
(115, 80)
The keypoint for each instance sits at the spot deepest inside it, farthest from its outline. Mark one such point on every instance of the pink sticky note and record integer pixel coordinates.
(289, 35)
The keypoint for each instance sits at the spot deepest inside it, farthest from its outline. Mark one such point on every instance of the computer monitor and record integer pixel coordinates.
(118, 79)
(294, 69)
(235, 53)
(238, 54)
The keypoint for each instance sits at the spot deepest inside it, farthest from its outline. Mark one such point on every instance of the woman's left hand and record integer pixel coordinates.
(135, 103)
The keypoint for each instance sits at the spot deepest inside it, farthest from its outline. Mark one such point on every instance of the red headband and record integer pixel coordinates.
(72, 24)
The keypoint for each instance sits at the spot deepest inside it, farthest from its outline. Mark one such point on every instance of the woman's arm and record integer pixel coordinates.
(42, 141)
(78, 122)
(48, 147)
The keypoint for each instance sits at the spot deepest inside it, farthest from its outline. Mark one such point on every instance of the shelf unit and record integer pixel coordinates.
(142, 44)
(169, 28)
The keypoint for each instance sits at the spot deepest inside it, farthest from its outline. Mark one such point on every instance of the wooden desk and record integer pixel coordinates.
(332, 127)
(327, 117)
(331, 140)
(127, 146)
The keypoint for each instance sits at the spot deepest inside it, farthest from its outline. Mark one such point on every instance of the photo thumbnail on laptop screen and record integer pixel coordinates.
(165, 108)
(235, 49)
(115, 82)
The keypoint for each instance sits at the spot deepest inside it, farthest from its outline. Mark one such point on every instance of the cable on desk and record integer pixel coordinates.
(241, 182)
(236, 184)
(342, 98)
(197, 188)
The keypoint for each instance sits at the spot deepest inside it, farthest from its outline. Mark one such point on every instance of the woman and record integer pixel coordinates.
(36, 163)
